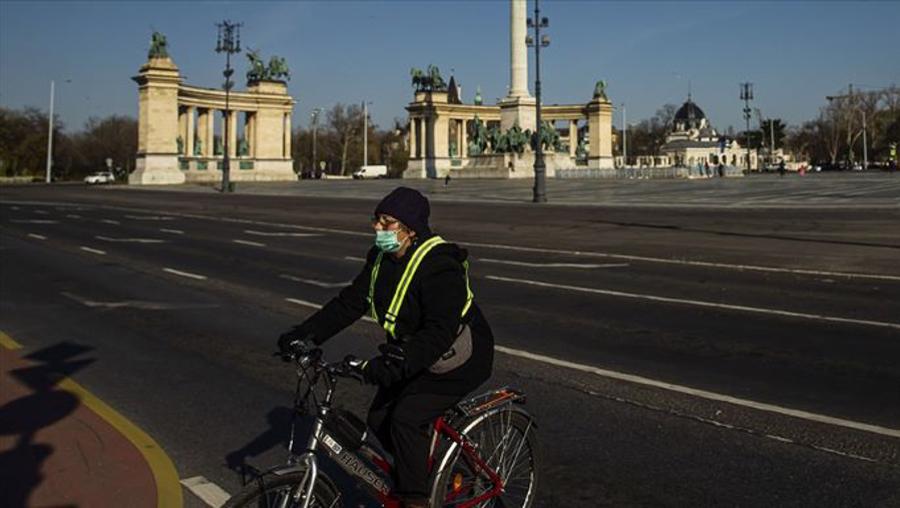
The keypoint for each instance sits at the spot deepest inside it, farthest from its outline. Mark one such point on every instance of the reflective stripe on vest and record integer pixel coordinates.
(390, 318)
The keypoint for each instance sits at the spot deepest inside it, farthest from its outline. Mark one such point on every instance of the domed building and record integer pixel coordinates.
(694, 142)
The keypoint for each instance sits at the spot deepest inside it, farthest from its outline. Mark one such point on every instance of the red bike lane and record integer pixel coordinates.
(62, 446)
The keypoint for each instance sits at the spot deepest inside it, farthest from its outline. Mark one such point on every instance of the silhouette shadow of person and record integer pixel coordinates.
(20, 466)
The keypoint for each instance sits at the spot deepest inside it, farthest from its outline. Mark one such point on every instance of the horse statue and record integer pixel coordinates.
(437, 82)
(549, 138)
(600, 90)
(417, 76)
(159, 48)
(478, 141)
(278, 69)
(257, 70)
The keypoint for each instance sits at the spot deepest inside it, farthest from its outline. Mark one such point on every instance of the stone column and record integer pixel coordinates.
(209, 132)
(158, 124)
(518, 51)
(189, 133)
(600, 133)
(463, 145)
(573, 137)
(232, 133)
(412, 138)
(182, 123)
(287, 135)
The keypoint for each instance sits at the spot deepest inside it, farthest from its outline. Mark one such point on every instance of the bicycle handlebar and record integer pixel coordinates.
(349, 367)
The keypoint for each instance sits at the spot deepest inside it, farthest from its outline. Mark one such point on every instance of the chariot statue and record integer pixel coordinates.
(159, 48)
(257, 68)
(600, 90)
(278, 69)
(429, 80)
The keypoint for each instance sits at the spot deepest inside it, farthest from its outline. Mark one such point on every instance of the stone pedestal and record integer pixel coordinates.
(156, 170)
(518, 109)
(157, 155)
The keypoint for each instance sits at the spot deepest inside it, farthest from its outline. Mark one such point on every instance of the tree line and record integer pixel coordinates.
(835, 136)
(23, 145)
(338, 140)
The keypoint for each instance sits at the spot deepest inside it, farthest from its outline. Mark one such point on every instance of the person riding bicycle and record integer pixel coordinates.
(439, 347)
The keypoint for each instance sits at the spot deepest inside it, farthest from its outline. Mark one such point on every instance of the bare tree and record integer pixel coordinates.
(346, 123)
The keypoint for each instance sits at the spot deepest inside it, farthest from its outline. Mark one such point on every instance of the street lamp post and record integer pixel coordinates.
(747, 96)
(50, 133)
(624, 138)
(228, 42)
(49, 175)
(365, 115)
(315, 125)
(539, 194)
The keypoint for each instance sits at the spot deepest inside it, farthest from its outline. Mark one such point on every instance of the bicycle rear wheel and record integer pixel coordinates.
(274, 490)
(507, 442)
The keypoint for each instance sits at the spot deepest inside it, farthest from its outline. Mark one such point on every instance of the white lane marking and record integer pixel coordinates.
(172, 231)
(14, 208)
(34, 221)
(278, 233)
(136, 304)
(354, 258)
(248, 242)
(317, 306)
(42, 212)
(315, 282)
(694, 392)
(110, 221)
(207, 491)
(73, 216)
(94, 251)
(705, 264)
(698, 303)
(704, 394)
(129, 240)
(185, 274)
(149, 217)
(35, 235)
(552, 265)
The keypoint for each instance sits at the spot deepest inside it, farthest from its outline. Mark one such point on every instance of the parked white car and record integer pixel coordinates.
(370, 172)
(100, 177)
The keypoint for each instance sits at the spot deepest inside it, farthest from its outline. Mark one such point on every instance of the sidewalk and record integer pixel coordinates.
(61, 446)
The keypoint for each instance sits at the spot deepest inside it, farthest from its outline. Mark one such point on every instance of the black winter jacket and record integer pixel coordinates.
(428, 320)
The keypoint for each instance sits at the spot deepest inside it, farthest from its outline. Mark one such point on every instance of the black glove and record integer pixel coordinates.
(297, 338)
(393, 353)
(381, 371)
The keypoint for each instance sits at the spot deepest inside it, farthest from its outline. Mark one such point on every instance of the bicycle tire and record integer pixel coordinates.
(269, 490)
(519, 471)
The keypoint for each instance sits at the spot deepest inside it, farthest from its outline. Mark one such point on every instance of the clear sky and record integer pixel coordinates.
(341, 51)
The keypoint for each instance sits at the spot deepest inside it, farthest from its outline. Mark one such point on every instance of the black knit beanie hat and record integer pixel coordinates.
(408, 206)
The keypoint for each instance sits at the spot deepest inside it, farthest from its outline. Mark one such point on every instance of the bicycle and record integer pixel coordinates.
(483, 451)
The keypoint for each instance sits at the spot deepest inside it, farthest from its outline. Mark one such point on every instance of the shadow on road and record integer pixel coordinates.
(20, 467)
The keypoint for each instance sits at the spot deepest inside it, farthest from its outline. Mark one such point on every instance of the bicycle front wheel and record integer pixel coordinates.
(507, 442)
(279, 491)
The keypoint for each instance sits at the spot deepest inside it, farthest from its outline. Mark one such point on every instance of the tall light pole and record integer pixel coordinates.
(49, 175)
(50, 133)
(365, 115)
(539, 193)
(624, 137)
(228, 42)
(315, 125)
(747, 96)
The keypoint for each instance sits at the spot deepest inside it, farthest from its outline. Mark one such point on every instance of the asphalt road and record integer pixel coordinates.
(673, 355)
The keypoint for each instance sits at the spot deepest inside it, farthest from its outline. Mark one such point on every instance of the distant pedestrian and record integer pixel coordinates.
(706, 168)
(447, 180)
(721, 170)
(781, 168)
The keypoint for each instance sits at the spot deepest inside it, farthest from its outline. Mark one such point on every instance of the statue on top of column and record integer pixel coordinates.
(257, 68)
(428, 81)
(277, 70)
(159, 47)
(600, 90)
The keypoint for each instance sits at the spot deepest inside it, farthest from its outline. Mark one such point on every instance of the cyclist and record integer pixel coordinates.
(438, 348)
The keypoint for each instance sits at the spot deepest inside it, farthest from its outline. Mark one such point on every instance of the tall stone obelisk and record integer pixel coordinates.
(518, 105)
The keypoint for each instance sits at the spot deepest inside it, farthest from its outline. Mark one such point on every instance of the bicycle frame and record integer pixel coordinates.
(354, 462)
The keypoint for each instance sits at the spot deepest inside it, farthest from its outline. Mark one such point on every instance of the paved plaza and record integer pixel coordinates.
(851, 190)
